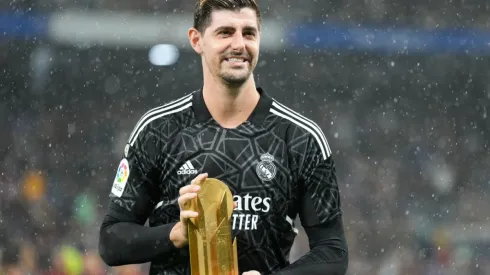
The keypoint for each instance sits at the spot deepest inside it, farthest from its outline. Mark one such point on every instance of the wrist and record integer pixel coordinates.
(176, 237)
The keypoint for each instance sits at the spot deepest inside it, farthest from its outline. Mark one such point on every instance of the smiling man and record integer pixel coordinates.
(276, 162)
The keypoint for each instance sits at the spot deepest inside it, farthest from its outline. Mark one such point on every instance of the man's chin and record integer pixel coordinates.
(234, 80)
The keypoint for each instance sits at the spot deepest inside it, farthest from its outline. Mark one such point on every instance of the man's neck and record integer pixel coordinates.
(231, 106)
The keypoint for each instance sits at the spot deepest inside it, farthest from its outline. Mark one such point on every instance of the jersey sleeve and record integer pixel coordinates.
(320, 198)
(135, 182)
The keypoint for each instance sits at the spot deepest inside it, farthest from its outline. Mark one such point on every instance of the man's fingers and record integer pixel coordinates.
(185, 198)
(189, 188)
(193, 187)
(186, 214)
(187, 193)
(199, 178)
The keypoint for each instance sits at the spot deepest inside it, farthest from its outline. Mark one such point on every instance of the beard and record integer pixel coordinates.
(235, 79)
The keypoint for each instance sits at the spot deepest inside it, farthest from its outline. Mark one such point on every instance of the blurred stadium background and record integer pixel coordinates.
(401, 88)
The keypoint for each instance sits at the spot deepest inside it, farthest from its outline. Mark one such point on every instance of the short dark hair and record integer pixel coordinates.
(204, 8)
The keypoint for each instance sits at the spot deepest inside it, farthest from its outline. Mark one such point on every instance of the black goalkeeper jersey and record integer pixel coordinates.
(277, 165)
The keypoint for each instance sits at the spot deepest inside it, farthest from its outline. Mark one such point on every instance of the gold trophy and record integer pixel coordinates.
(212, 251)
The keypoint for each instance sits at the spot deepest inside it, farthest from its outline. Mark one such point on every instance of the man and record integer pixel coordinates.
(276, 163)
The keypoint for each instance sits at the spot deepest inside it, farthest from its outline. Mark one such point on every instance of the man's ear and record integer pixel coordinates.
(195, 40)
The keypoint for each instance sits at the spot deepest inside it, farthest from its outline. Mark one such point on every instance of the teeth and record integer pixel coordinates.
(235, 59)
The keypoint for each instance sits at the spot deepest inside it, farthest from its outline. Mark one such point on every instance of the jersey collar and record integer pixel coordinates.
(258, 114)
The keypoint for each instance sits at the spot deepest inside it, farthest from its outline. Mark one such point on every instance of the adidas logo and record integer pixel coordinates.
(187, 169)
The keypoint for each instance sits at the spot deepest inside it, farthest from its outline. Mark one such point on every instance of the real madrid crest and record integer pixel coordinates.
(266, 170)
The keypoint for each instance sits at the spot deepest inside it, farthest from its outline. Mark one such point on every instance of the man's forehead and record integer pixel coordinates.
(245, 17)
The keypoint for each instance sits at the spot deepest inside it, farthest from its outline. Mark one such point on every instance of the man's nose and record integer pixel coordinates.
(238, 42)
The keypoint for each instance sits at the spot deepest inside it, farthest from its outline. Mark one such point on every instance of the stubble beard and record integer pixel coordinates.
(235, 80)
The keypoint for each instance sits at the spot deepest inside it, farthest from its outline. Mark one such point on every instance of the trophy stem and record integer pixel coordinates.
(212, 251)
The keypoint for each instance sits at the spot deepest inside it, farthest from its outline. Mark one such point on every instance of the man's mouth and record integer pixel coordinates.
(236, 60)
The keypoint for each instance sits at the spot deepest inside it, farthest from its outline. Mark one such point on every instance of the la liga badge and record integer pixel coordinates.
(121, 179)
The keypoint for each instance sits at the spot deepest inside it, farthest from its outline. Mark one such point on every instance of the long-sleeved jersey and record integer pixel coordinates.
(277, 164)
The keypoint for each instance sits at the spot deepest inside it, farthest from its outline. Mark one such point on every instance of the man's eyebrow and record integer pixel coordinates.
(229, 28)
(250, 28)
(224, 28)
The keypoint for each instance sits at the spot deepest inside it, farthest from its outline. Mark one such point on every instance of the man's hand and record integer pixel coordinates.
(252, 272)
(178, 235)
